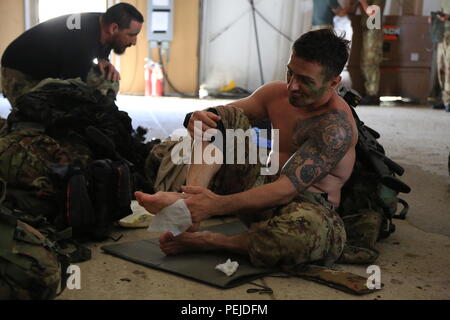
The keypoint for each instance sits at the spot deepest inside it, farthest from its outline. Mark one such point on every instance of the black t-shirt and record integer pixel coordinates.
(53, 50)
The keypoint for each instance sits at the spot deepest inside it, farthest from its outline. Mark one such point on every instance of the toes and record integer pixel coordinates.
(139, 196)
(166, 237)
(142, 198)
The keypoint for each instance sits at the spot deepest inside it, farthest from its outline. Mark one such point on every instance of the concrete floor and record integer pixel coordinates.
(414, 261)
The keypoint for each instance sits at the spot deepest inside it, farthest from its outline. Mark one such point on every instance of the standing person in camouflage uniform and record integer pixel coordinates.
(290, 215)
(437, 36)
(371, 54)
(65, 48)
(444, 56)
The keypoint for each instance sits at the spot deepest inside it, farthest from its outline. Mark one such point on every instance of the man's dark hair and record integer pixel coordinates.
(122, 14)
(325, 48)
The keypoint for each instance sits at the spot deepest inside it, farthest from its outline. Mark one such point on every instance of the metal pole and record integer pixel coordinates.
(252, 3)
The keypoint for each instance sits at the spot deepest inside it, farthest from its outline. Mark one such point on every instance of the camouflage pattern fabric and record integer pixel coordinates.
(307, 230)
(167, 176)
(15, 83)
(365, 207)
(296, 237)
(66, 108)
(163, 174)
(49, 126)
(3, 125)
(96, 80)
(372, 53)
(435, 94)
(443, 61)
(24, 158)
(235, 178)
(29, 269)
(362, 230)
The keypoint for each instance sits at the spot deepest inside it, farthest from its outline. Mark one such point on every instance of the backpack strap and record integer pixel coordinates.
(404, 212)
(2, 191)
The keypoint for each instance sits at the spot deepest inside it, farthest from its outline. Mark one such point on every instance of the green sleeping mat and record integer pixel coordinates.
(196, 266)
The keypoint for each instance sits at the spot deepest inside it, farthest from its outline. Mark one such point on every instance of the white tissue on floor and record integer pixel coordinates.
(229, 268)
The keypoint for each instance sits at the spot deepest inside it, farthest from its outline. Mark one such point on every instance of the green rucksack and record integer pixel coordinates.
(369, 199)
(30, 267)
(34, 256)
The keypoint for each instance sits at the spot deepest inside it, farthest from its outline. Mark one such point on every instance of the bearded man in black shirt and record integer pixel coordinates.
(66, 48)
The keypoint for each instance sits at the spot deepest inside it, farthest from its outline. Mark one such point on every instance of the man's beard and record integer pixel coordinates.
(119, 50)
(299, 102)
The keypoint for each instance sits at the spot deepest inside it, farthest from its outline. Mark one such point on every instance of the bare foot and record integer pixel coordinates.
(187, 242)
(157, 202)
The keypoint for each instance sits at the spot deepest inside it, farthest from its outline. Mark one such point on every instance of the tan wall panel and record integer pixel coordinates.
(412, 7)
(132, 62)
(182, 67)
(13, 22)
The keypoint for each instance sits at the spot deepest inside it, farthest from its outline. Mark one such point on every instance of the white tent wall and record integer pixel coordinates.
(228, 50)
(232, 55)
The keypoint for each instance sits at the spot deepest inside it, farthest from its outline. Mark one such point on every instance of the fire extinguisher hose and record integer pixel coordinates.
(163, 68)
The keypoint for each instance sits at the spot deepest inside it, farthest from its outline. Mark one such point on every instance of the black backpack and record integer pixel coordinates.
(374, 184)
(34, 256)
(93, 200)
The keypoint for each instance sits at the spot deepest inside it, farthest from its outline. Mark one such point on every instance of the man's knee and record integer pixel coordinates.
(240, 172)
(308, 234)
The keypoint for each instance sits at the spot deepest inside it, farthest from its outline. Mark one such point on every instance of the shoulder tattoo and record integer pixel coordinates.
(321, 147)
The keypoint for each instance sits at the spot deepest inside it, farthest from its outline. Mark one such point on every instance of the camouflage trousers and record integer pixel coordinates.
(443, 61)
(363, 230)
(308, 230)
(371, 58)
(435, 94)
(16, 83)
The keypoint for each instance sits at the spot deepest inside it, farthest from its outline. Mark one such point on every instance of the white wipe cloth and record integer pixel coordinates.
(175, 219)
(229, 268)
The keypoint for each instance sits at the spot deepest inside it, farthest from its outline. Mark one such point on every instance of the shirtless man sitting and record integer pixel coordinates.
(318, 136)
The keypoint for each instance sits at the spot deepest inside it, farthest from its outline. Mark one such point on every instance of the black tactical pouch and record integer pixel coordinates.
(95, 199)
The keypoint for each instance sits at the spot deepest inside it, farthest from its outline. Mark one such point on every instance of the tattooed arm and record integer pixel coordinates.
(325, 145)
(323, 142)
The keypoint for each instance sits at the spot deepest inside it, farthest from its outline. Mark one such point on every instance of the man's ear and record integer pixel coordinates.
(335, 82)
(113, 28)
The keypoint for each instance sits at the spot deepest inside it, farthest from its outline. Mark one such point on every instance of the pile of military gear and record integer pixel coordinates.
(70, 155)
(369, 200)
(34, 257)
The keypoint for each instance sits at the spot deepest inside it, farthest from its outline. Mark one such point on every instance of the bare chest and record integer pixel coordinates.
(292, 129)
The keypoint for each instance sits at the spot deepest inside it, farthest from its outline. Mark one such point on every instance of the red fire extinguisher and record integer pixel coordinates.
(154, 79)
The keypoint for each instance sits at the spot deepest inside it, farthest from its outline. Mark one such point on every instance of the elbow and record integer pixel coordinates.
(288, 198)
(288, 190)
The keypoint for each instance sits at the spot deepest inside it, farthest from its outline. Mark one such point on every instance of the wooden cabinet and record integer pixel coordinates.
(407, 56)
